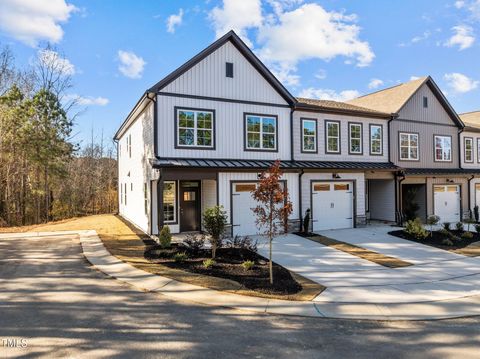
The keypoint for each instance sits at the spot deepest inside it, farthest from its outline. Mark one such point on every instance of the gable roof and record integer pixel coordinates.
(394, 98)
(244, 50)
(337, 107)
(471, 120)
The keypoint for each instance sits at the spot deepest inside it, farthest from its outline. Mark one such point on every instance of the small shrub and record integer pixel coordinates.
(165, 237)
(477, 228)
(431, 221)
(214, 221)
(459, 226)
(446, 225)
(467, 235)
(447, 242)
(180, 257)
(453, 237)
(208, 263)
(194, 242)
(469, 221)
(444, 232)
(248, 265)
(242, 242)
(415, 229)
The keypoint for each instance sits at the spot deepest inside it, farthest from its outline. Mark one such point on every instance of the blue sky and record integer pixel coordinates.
(332, 49)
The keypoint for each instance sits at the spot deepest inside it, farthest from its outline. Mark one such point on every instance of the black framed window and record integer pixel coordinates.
(355, 138)
(409, 146)
(443, 148)
(332, 137)
(376, 140)
(261, 132)
(229, 69)
(309, 135)
(468, 149)
(195, 128)
(169, 201)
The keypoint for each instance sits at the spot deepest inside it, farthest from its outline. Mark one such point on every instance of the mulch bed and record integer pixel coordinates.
(360, 252)
(436, 240)
(229, 266)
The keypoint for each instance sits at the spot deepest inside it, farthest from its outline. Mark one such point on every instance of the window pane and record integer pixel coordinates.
(333, 144)
(403, 152)
(355, 146)
(309, 143)
(268, 125)
(376, 132)
(253, 140)
(186, 119)
(355, 131)
(413, 153)
(253, 124)
(403, 140)
(186, 137)
(204, 138)
(332, 129)
(269, 141)
(308, 128)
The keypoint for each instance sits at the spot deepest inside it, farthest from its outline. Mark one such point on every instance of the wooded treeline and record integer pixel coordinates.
(44, 174)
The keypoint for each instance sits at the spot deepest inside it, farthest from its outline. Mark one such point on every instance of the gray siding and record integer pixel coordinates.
(344, 155)
(426, 132)
(476, 141)
(434, 113)
(207, 78)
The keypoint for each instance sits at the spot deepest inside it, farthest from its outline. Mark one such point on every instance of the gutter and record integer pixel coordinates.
(460, 146)
(469, 195)
(291, 135)
(394, 116)
(155, 121)
(398, 196)
(300, 198)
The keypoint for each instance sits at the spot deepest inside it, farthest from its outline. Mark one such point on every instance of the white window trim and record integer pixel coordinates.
(442, 138)
(380, 152)
(478, 149)
(465, 140)
(327, 137)
(275, 134)
(315, 149)
(409, 158)
(350, 125)
(174, 202)
(195, 128)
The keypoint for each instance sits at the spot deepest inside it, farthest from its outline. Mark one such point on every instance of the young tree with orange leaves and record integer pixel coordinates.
(273, 207)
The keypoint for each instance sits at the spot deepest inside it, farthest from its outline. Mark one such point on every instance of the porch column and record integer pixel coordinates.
(160, 184)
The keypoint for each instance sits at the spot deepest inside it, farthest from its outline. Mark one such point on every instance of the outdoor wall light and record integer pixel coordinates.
(335, 176)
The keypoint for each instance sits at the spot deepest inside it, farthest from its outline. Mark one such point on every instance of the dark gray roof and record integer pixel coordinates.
(259, 164)
(441, 171)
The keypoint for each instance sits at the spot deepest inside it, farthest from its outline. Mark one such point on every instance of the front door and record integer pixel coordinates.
(189, 206)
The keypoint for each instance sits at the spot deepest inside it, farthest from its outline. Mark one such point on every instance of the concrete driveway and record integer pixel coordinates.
(53, 299)
(436, 275)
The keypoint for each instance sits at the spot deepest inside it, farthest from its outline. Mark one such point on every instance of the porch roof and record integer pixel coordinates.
(442, 171)
(260, 164)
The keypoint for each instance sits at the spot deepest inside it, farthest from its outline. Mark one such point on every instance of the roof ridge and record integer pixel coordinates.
(466, 113)
(391, 87)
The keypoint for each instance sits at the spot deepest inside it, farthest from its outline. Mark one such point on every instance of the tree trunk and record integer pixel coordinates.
(270, 265)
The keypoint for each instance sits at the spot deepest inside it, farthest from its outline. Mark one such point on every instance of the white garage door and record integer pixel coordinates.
(243, 219)
(447, 202)
(332, 205)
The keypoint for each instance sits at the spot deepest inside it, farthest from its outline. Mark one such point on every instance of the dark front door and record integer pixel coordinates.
(189, 206)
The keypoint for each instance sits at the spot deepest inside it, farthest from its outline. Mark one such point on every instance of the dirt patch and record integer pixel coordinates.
(375, 257)
(466, 246)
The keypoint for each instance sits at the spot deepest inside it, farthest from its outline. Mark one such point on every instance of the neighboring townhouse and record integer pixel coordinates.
(425, 141)
(201, 136)
(470, 142)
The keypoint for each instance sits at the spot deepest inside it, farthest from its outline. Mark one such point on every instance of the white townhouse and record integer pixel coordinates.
(201, 136)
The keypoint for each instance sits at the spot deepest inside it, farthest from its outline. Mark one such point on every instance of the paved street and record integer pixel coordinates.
(51, 297)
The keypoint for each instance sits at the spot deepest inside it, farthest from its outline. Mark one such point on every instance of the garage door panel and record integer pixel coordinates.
(332, 205)
(447, 202)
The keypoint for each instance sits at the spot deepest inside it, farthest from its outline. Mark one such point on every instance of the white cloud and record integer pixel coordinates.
(463, 37)
(375, 83)
(328, 94)
(312, 32)
(460, 83)
(131, 65)
(87, 100)
(238, 16)
(459, 4)
(32, 21)
(413, 78)
(174, 20)
(321, 74)
(53, 60)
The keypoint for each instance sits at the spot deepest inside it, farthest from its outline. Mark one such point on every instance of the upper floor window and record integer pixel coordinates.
(376, 139)
(261, 132)
(409, 146)
(309, 135)
(443, 148)
(332, 136)
(355, 138)
(425, 102)
(468, 147)
(195, 128)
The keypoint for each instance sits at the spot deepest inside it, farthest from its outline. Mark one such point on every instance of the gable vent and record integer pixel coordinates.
(229, 69)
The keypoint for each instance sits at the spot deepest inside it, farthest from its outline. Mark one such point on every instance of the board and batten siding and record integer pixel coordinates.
(359, 179)
(134, 171)
(434, 113)
(476, 141)
(382, 199)
(425, 131)
(229, 132)
(224, 189)
(207, 78)
(344, 135)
